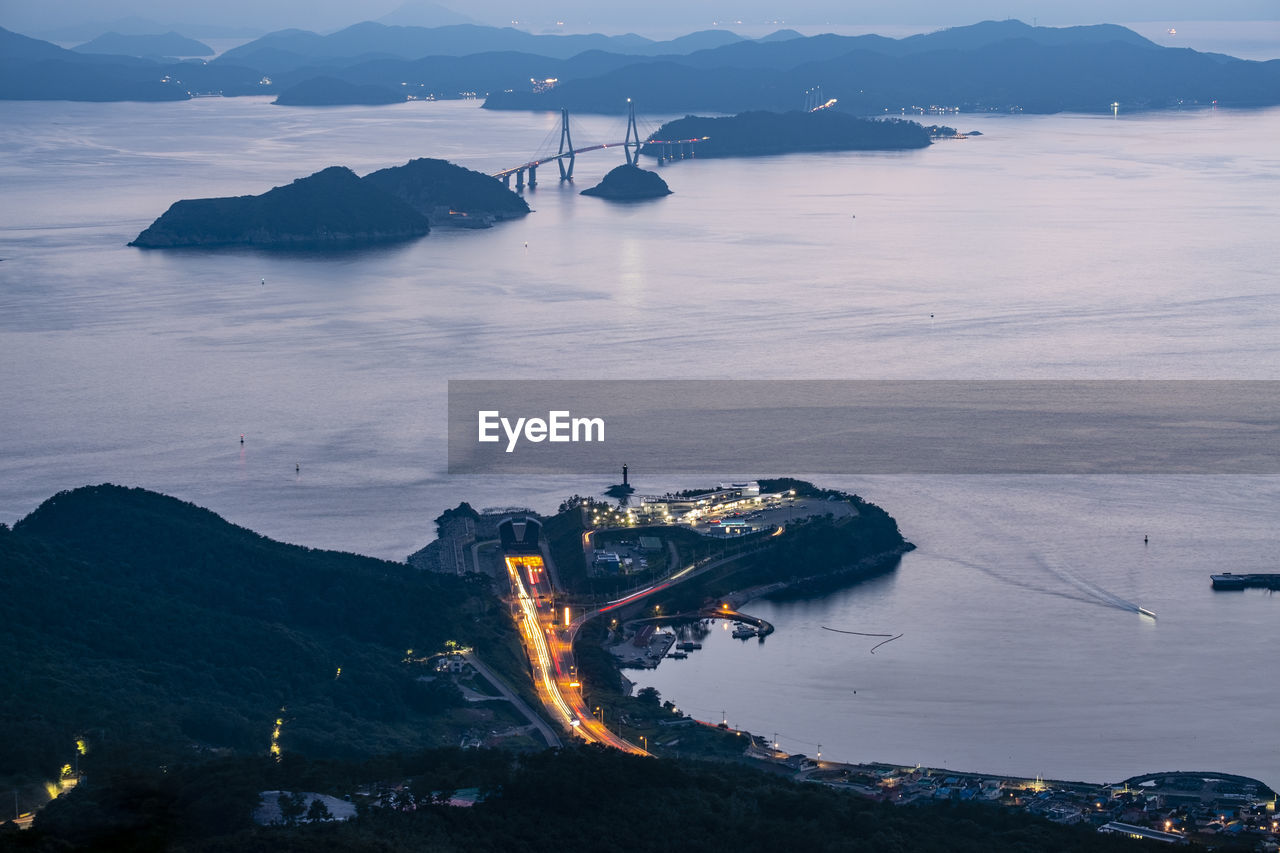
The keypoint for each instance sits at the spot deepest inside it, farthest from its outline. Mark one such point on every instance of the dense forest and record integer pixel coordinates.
(584, 798)
(135, 621)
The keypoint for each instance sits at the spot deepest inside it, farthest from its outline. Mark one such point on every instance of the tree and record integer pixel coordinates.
(649, 696)
(292, 807)
(318, 812)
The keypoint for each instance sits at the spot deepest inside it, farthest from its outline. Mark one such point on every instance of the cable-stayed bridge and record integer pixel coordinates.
(670, 149)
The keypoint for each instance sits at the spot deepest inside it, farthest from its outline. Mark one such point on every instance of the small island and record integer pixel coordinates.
(449, 195)
(754, 134)
(629, 183)
(332, 208)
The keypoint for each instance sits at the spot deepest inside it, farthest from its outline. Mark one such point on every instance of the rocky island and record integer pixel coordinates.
(332, 208)
(336, 209)
(629, 183)
(449, 195)
(758, 133)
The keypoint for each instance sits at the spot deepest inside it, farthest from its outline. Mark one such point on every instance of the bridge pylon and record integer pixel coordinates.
(566, 145)
(631, 144)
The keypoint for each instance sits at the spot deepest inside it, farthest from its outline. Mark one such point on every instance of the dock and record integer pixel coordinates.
(1227, 580)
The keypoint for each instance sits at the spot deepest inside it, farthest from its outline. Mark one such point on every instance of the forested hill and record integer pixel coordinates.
(131, 618)
(758, 133)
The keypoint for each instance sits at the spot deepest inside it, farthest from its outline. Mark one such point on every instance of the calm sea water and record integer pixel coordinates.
(1050, 247)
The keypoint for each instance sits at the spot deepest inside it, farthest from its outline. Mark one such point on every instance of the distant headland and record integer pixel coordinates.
(758, 133)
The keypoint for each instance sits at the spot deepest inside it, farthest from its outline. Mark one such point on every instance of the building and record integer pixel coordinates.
(607, 561)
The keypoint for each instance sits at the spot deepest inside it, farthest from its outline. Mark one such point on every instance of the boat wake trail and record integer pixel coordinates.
(1091, 590)
(1052, 577)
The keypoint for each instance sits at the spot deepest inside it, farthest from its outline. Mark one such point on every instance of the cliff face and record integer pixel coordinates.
(332, 208)
(629, 183)
(447, 194)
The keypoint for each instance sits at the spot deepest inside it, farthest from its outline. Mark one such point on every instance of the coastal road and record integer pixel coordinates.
(550, 649)
(548, 637)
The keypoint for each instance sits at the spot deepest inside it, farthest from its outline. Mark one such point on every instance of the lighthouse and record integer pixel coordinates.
(624, 473)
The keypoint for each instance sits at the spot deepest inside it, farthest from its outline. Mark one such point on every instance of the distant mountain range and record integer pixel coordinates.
(166, 44)
(288, 50)
(990, 66)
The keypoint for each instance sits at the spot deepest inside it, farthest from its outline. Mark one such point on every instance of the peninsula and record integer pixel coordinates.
(331, 92)
(224, 691)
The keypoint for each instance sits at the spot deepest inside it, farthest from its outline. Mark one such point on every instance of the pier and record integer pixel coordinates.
(1227, 580)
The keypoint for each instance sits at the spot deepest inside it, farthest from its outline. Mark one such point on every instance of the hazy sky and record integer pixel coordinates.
(651, 16)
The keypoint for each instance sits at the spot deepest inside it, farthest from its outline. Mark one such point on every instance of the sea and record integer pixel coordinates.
(1110, 246)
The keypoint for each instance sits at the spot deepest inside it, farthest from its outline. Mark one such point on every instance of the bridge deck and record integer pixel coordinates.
(552, 158)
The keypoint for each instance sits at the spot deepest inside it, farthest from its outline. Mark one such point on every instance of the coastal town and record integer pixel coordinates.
(632, 541)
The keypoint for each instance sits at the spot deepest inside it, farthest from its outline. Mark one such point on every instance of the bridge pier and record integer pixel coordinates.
(519, 180)
(566, 145)
(506, 180)
(533, 176)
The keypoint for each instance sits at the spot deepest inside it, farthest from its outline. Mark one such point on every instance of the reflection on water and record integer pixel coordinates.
(1050, 247)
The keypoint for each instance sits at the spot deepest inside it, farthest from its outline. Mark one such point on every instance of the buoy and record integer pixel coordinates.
(297, 467)
(242, 438)
(1144, 539)
(264, 282)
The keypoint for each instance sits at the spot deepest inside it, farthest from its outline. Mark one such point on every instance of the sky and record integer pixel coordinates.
(37, 17)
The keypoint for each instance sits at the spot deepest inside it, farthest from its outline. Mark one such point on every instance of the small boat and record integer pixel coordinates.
(1142, 611)
(1226, 580)
(743, 632)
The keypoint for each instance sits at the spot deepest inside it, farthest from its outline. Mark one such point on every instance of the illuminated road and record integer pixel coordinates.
(549, 642)
(548, 638)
